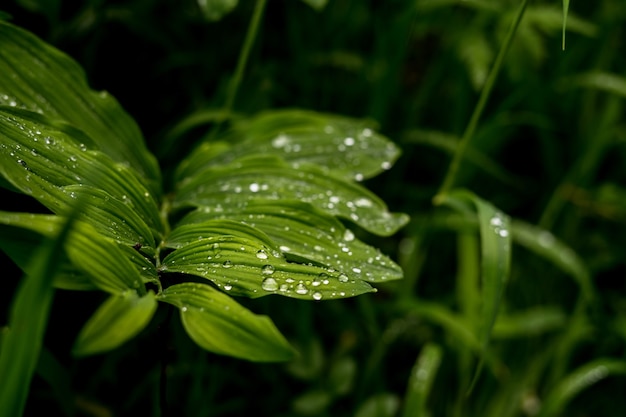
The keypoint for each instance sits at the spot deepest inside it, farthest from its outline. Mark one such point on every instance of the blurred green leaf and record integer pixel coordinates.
(546, 245)
(342, 375)
(565, 11)
(312, 403)
(304, 232)
(117, 320)
(316, 4)
(214, 10)
(421, 380)
(598, 80)
(243, 265)
(29, 313)
(42, 79)
(270, 178)
(380, 405)
(217, 323)
(580, 379)
(347, 147)
(531, 322)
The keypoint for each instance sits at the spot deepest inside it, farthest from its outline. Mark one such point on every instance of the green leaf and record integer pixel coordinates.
(237, 260)
(380, 405)
(29, 314)
(598, 80)
(51, 162)
(317, 5)
(42, 79)
(578, 380)
(346, 147)
(565, 11)
(217, 323)
(103, 261)
(495, 238)
(214, 10)
(531, 322)
(116, 321)
(306, 233)
(421, 380)
(107, 264)
(234, 186)
(545, 244)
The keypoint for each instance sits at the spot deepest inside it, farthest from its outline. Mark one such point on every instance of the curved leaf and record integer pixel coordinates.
(217, 323)
(40, 78)
(347, 147)
(577, 381)
(495, 237)
(116, 321)
(245, 266)
(307, 233)
(270, 178)
(36, 154)
(421, 380)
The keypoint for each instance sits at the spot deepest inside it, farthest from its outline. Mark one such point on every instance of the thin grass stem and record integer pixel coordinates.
(453, 169)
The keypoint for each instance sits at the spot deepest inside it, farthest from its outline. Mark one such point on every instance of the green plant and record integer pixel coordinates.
(252, 212)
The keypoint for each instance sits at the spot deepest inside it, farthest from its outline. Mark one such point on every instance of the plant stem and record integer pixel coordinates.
(244, 55)
(479, 108)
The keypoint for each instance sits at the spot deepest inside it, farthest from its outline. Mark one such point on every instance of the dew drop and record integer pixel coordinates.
(261, 254)
(227, 264)
(267, 270)
(254, 187)
(269, 284)
(317, 296)
(348, 236)
(356, 270)
(183, 309)
(228, 287)
(301, 289)
(342, 278)
(348, 141)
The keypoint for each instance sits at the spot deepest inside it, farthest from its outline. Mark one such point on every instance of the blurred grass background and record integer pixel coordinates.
(549, 151)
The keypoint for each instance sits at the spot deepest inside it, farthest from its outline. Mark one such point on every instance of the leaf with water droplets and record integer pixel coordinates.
(495, 239)
(40, 78)
(346, 147)
(218, 324)
(310, 235)
(243, 261)
(270, 178)
(119, 319)
(51, 164)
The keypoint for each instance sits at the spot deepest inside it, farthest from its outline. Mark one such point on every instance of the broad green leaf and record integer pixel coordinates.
(242, 265)
(495, 236)
(270, 178)
(347, 147)
(214, 10)
(531, 322)
(27, 322)
(306, 233)
(117, 320)
(39, 153)
(107, 264)
(421, 380)
(40, 78)
(217, 323)
(580, 379)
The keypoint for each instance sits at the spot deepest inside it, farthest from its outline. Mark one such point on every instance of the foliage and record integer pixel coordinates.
(512, 302)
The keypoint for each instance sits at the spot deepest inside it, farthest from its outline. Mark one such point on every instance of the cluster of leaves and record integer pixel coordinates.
(256, 209)
(534, 298)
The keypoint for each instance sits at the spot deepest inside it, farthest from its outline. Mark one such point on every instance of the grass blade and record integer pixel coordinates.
(421, 380)
(29, 315)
